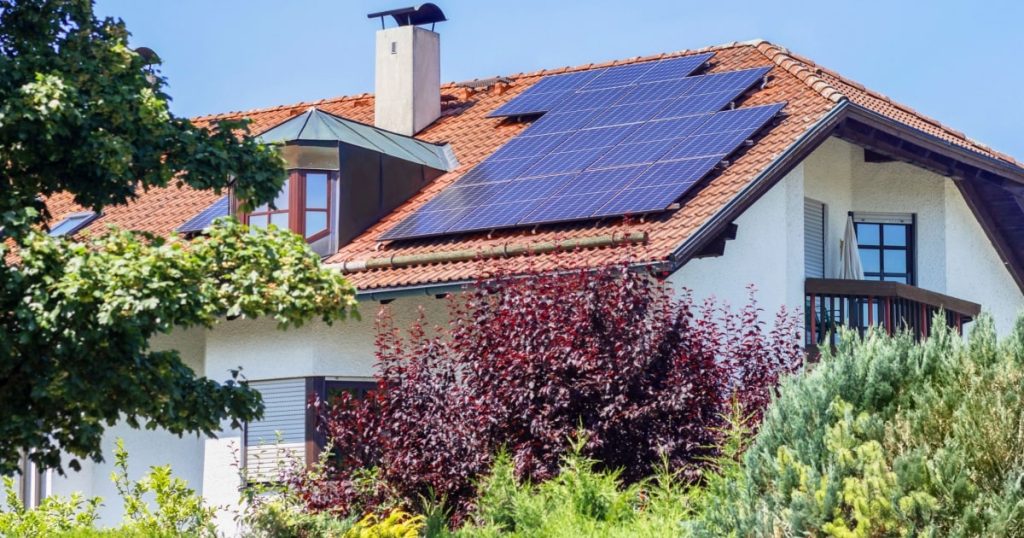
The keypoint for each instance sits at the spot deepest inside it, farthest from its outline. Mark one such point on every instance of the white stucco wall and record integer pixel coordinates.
(146, 448)
(953, 256)
(973, 268)
(767, 252)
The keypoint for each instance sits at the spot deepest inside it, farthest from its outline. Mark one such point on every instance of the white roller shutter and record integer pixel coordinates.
(280, 437)
(814, 239)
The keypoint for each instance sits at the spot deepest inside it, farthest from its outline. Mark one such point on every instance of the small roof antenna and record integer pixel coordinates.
(426, 13)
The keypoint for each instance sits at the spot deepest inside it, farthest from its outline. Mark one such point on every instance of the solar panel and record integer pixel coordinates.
(565, 208)
(667, 129)
(638, 201)
(566, 82)
(730, 81)
(743, 118)
(560, 122)
(643, 152)
(427, 223)
(600, 137)
(696, 104)
(496, 216)
(198, 223)
(684, 172)
(625, 140)
(590, 99)
(489, 171)
(544, 94)
(658, 91)
(562, 163)
(675, 68)
(707, 145)
(632, 113)
(619, 76)
(547, 93)
(535, 103)
(528, 146)
(609, 179)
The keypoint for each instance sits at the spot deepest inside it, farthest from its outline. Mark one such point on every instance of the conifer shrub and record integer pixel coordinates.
(525, 364)
(888, 437)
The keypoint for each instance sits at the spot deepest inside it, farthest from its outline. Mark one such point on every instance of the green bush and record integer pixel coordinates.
(579, 501)
(53, 515)
(886, 437)
(179, 510)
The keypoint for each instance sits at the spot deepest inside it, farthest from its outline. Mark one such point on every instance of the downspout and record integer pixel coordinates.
(506, 250)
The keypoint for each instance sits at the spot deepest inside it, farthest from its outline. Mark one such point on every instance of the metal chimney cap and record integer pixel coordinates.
(426, 13)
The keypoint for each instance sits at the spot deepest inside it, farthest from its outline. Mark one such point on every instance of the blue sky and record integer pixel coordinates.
(954, 61)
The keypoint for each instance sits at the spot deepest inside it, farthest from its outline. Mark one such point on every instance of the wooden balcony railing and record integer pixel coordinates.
(859, 304)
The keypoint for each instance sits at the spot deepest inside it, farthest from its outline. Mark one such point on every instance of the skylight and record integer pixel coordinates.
(72, 223)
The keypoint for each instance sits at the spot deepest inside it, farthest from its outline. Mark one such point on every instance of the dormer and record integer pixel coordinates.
(343, 176)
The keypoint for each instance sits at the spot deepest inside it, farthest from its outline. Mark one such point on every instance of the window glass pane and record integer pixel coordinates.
(316, 190)
(867, 234)
(895, 235)
(895, 261)
(896, 278)
(316, 222)
(257, 221)
(872, 277)
(281, 202)
(280, 220)
(869, 260)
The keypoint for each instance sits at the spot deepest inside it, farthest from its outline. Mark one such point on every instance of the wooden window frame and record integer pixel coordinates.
(297, 204)
(910, 248)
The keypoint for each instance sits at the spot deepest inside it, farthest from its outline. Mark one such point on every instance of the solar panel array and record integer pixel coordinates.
(615, 141)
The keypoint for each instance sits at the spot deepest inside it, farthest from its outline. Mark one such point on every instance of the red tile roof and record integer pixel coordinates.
(809, 90)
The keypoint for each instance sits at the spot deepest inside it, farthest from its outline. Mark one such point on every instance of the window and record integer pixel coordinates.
(72, 223)
(814, 239)
(886, 244)
(287, 433)
(303, 206)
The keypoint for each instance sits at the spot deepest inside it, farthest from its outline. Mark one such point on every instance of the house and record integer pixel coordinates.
(731, 165)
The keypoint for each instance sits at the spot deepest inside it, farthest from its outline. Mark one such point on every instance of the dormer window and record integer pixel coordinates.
(303, 205)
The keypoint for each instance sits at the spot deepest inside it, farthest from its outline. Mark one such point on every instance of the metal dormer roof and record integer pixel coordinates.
(315, 125)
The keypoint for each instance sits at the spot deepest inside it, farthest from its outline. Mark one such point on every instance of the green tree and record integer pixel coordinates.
(82, 113)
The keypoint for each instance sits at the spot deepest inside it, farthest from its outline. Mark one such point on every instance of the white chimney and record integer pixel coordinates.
(408, 71)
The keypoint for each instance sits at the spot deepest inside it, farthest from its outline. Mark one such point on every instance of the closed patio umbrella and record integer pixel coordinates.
(851, 269)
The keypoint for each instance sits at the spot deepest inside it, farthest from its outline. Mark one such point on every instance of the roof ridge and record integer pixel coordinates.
(798, 67)
(261, 110)
(457, 84)
(799, 64)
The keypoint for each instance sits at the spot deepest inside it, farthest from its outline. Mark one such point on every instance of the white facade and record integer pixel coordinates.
(954, 257)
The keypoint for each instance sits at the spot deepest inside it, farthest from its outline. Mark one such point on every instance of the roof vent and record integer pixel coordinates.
(412, 16)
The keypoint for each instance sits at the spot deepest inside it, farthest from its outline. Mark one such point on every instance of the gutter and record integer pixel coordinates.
(779, 166)
(506, 250)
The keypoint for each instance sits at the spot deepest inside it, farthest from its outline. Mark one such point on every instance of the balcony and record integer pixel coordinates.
(859, 304)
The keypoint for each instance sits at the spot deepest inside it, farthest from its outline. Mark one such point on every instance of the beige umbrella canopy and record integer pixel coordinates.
(851, 269)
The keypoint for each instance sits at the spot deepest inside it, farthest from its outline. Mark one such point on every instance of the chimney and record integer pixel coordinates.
(408, 70)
